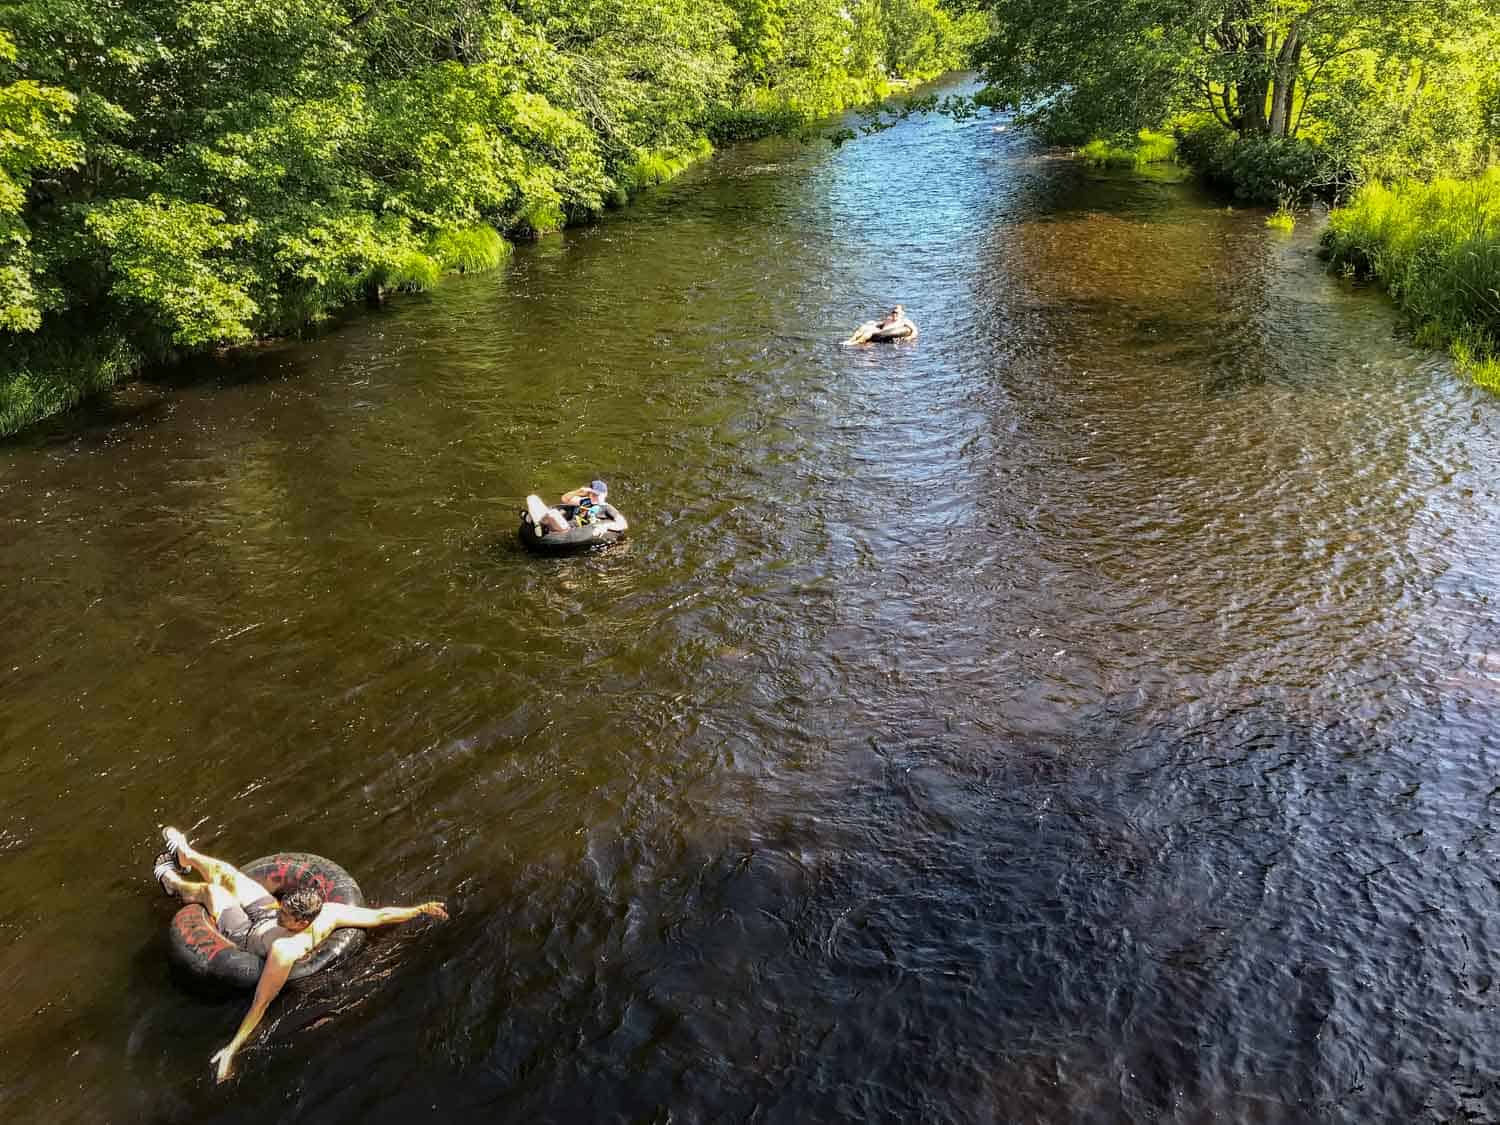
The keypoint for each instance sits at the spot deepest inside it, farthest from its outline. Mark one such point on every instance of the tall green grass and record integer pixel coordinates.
(539, 217)
(469, 249)
(660, 165)
(45, 374)
(412, 272)
(1283, 218)
(1436, 248)
(1148, 148)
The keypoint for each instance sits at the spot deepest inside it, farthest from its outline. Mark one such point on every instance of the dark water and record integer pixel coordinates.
(1084, 714)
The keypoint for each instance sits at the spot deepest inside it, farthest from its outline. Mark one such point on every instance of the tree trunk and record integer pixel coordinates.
(1250, 93)
(1288, 59)
(1251, 88)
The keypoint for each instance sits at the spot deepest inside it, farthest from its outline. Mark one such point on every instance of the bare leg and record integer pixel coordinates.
(212, 897)
(216, 872)
(543, 516)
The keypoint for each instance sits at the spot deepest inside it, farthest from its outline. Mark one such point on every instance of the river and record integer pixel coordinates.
(1085, 713)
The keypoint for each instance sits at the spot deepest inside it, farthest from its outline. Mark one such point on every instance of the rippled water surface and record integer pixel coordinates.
(1085, 713)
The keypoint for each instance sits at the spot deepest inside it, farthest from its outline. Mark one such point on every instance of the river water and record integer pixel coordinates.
(1085, 713)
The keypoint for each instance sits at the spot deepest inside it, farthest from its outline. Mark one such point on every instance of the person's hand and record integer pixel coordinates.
(434, 910)
(223, 1061)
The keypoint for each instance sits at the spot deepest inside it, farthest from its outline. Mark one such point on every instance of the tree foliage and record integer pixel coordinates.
(196, 172)
(1380, 87)
(33, 120)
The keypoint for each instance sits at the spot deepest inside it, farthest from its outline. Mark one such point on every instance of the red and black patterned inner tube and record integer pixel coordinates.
(196, 945)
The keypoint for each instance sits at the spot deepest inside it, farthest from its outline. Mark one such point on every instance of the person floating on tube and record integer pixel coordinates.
(579, 506)
(279, 932)
(895, 325)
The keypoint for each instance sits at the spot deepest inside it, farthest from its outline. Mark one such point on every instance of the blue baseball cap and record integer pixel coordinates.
(601, 488)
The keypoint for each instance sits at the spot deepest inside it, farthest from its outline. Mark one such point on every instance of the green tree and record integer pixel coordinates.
(1253, 65)
(176, 174)
(33, 120)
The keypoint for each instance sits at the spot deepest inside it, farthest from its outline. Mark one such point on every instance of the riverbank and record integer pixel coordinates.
(69, 359)
(1435, 248)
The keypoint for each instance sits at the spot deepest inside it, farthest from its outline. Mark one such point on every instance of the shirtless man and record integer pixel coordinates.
(251, 917)
(895, 325)
(589, 496)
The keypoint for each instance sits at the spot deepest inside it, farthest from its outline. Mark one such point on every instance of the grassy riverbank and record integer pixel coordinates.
(1436, 248)
(1147, 147)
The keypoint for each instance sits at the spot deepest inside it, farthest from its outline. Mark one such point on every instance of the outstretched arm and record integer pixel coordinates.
(364, 918)
(278, 967)
(578, 494)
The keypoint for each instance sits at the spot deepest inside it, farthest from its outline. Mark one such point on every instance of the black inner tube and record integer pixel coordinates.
(196, 946)
(578, 537)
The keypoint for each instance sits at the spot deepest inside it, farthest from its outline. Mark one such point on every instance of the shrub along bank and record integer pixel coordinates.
(1436, 248)
(1283, 171)
(178, 175)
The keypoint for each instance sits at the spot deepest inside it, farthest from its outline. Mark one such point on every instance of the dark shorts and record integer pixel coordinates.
(237, 921)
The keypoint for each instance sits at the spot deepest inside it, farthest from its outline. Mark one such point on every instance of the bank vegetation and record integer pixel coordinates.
(1391, 107)
(179, 175)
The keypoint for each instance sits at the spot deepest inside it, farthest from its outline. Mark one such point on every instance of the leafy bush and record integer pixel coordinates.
(1206, 145)
(1258, 169)
(317, 259)
(170, 261)
(730, 124)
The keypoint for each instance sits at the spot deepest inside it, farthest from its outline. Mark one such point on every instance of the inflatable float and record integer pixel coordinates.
(870, 332)
(578, 537)
(195, 945)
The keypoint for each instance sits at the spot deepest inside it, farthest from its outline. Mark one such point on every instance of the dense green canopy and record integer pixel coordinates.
(1383, 87)
(176, 174)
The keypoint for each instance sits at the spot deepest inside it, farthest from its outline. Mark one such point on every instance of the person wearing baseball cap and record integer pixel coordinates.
(592, 493)
(586, 504)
